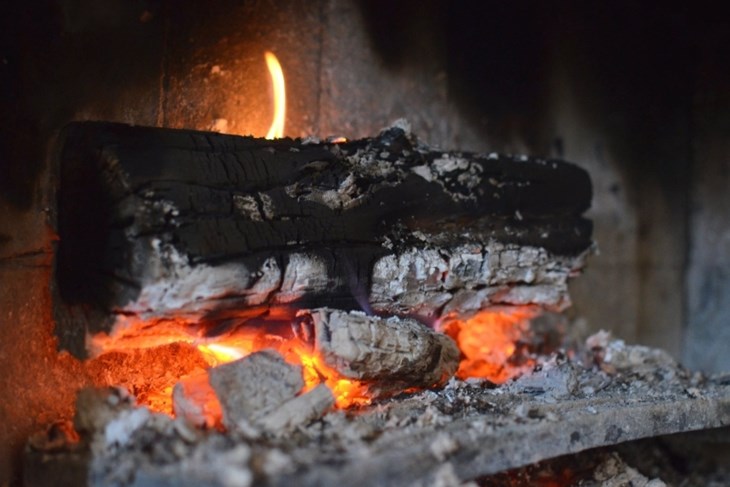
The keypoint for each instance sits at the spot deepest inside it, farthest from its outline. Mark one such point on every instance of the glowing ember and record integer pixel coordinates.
(148, 374)
(150, 358)
(347, 392)
(133, 339)
(488, 342)
(217, 354)
(277, 80)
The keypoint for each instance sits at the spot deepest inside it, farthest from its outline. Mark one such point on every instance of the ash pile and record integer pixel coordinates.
(602, 393)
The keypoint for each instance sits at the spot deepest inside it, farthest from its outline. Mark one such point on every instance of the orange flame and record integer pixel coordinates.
(347, 392)
(488, 342)
(277, 81)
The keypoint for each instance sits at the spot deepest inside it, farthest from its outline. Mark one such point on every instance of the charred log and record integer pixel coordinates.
(156, 222)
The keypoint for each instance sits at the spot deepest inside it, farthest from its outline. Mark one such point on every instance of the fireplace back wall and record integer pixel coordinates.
(638, 96)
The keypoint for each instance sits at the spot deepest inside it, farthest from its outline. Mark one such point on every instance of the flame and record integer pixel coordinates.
(277, 81)
(347, 392)
(217, 354)
(488, 342)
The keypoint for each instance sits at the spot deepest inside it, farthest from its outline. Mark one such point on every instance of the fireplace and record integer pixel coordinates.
(634, 95)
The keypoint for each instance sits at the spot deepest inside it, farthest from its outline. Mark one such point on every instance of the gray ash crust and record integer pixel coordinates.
(605, 376)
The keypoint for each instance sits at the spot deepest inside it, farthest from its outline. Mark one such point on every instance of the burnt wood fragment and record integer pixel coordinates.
(389, 355)
(155, 223)
(299, 411)
(253, 387)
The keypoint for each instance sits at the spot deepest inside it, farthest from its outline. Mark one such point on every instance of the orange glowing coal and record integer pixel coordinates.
(150, 358)
(276, 131)
(137, 346)
(488, 342)
(347, 392)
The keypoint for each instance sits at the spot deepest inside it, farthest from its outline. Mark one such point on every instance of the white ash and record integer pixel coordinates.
(267, 206)
(471, 277)
(424, 171)
(347, 196)
(453, 168)
(247, 206)
(614, 356)
(477, 416)
(310, 140)
(368, 162)
(448, 163)
(276, 462)
(450, 169)
(304, 273)
(442, 446)
(553, 379)
(119, 431)
(266, 281)
(614, 472)
(218, 464)
(298, 411)
(95, 408)
(253, 387)
(170, 283)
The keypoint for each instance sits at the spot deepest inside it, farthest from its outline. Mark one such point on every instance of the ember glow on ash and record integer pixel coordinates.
(489, 342)
(277, 82)
(150, 358)
(347, 392)
(161, 339)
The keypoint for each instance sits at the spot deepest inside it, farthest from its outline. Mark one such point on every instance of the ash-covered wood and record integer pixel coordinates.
(95, 408)
(298, 411)
(253, 387)
(258, 393)
(390, 354)
(155, 223)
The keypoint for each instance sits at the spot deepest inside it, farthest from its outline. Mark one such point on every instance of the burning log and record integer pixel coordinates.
(159, 225)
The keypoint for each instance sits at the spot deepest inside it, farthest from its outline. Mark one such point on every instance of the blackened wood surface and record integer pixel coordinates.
(154, 221)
